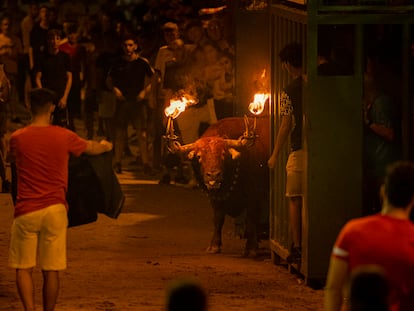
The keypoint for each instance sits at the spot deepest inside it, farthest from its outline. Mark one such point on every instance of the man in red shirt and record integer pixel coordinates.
(385, 240)
(41, 153)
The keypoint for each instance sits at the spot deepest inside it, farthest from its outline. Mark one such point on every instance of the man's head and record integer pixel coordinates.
(291, 54)
(171, 32)
(54, 37)
(186, 295)
(399, 184)
(41, 101)
(129, 44)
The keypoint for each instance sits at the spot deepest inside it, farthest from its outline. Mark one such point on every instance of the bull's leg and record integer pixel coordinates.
(252, 219)
(218, 219)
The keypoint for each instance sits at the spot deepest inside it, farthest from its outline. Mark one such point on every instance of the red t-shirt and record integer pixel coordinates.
(41, 154)
(385, 241)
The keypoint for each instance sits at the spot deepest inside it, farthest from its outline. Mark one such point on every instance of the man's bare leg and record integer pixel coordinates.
(295, 216)
(25, 286)
(50, 289)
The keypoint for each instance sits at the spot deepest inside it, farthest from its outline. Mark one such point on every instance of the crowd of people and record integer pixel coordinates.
(74, 47)
(121, 69)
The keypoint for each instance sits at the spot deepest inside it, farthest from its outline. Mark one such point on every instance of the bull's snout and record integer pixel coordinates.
(213, 179)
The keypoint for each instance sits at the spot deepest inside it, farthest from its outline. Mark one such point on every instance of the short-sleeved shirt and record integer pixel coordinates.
(378, 151)
(291, 105)
(54, 68)
(385, 241)
(129, 76)
(41, 154)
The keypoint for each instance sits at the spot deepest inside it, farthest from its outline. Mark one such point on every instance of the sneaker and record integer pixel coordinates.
(295, 255)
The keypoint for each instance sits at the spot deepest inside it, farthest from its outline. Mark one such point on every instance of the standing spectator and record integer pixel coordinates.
(41, 154)
(11, 46)
(26, 27)
(53, 71)
(107, 44)
(127, 79)
(77, 54)
(384, 239)
(291, 127)
(38, 37)
(381, 131)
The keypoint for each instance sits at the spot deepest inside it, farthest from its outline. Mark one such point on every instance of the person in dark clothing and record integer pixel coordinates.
(127, 79)
(291, 127)
(53, 71)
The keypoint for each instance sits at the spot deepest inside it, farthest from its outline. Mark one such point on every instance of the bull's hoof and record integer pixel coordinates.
(213, 249)
(250, 253)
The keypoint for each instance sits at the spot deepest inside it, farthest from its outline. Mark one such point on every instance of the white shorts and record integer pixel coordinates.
(294, 171)
(43, 230)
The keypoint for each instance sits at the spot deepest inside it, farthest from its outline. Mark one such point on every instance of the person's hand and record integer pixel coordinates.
(118, 94)
(62, 102)
(271, 163)
(141, 95)
(107, 144)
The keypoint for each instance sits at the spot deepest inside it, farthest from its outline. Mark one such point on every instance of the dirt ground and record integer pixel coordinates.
(161, 235)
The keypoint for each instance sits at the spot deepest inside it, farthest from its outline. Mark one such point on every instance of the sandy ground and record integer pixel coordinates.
(160, 236)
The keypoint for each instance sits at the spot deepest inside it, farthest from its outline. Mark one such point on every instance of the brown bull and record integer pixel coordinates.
(234, 174)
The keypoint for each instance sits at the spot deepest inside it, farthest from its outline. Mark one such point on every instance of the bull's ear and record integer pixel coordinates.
(234, 153)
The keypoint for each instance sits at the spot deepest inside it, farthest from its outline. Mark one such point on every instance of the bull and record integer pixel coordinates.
(231, 168)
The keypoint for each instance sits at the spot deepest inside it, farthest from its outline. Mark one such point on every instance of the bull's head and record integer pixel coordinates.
(211, 153)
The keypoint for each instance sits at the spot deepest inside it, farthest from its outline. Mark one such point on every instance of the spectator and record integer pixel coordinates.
(291, 127)
(369, 290)
(127, 79)
(38, 37)
(53, 71)
(26, 27)
(384, 239)
(381, 131)
(77, 54)
(41, 154)
(11, 51)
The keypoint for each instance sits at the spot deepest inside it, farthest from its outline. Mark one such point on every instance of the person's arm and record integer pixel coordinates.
(95, 148)
(281, 138)
(38, 79)
(337, 276)
(387, 133)
(63, 100)
(31, 58)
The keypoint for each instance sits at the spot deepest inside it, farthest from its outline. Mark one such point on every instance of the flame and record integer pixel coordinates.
(177, 106)
(258, 104)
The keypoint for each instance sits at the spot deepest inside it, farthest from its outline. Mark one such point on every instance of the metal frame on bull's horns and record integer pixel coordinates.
(249, 135)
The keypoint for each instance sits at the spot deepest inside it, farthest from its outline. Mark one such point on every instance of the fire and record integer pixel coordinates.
(258, 104)
(177, 106)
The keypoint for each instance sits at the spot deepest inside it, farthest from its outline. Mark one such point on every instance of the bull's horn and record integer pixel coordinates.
(235, 143)
(176, 146)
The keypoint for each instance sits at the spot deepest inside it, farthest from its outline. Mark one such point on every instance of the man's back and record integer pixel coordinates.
(384, 241)
(41, 154)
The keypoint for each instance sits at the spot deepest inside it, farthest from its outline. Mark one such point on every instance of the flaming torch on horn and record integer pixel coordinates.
(257, 106)
(176, 107)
